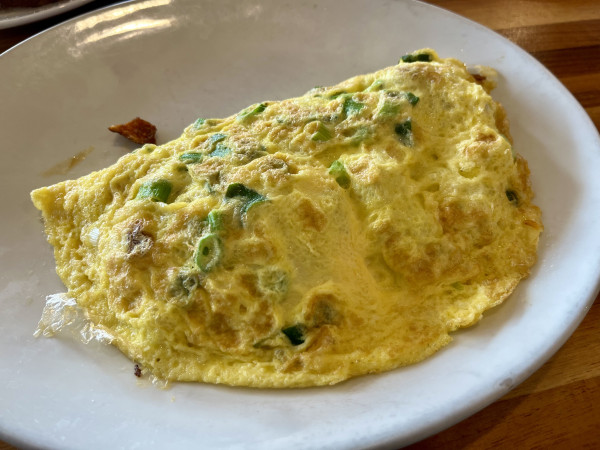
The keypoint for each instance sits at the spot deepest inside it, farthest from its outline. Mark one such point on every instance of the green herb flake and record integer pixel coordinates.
(512, 197)
(389, 108)
(198, 123)
(295, 334)
(155, 190)
(336, 95)
(412, 98)
(209, 252)
(191, 158)
(217, 137)
(404, 132)
(322, 134)
(220, 151)
(418, 57)
(377, 85)
(215, 221)
(247, 195)
(250, 112)
(361, 134)
(352, 107)
(338, 171)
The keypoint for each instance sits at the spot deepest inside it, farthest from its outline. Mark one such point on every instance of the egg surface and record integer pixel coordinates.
(306, 241)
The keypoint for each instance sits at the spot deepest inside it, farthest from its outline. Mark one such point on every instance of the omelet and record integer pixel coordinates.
(306, 241)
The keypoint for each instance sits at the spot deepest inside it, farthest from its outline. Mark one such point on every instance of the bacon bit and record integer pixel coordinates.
(137, 371)
(138, 131)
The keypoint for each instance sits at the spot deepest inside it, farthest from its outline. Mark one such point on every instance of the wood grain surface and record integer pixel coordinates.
(558, 407)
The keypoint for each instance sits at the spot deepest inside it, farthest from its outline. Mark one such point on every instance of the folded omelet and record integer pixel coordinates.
(306, 241)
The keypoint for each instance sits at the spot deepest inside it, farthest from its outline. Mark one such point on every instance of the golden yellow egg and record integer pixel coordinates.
(305, 241)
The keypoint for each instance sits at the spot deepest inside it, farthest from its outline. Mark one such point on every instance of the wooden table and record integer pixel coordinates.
(559, 406)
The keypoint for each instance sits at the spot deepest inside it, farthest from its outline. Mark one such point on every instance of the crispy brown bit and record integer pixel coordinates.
(137, 371)
(479, 79)
(139, 242)
(138, 131)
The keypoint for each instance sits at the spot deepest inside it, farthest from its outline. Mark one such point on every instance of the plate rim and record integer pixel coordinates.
(540, 360)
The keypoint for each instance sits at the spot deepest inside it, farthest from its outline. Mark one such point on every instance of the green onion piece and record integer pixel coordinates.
(352, 107)
(389, 109)
(419, 57)
(250, 197)
(322, 133)
(412, 98)
(248, 113)
(209, 252)
(191, 158)
(220, 150)
(404, 132)
(375, 86)
(360, 135)
(215, 221)
(336, 95)
(338, 171)
(214, 138)
(458, 286)
(512, 196)
(198, 123)
(295, 334)
(156, 190)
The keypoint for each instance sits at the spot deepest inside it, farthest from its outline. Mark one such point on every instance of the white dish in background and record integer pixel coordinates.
(14, 17)
(171, 61)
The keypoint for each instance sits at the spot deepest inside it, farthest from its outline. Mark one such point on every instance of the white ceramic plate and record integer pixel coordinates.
(171, 61)
(13, 17)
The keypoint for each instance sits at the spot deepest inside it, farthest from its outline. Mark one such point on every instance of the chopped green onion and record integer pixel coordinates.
(412, 98)
(295, 334)
(209, 252)
(419, 57)
(336, 95)
(512, 196)
(198, 123)
(322, 133)
(457, 285)
(352, 107)
(156, 190)
(404, 132)
(214, 138)
(375, 86)
(248, 113)
(250, 197)
(184, 284)
(389, 109)
(220, 150)
(360, 135)
(215, 221)
(191, 158)
(340, 174)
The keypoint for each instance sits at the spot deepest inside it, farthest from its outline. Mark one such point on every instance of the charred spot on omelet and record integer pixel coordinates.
(305, 241)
